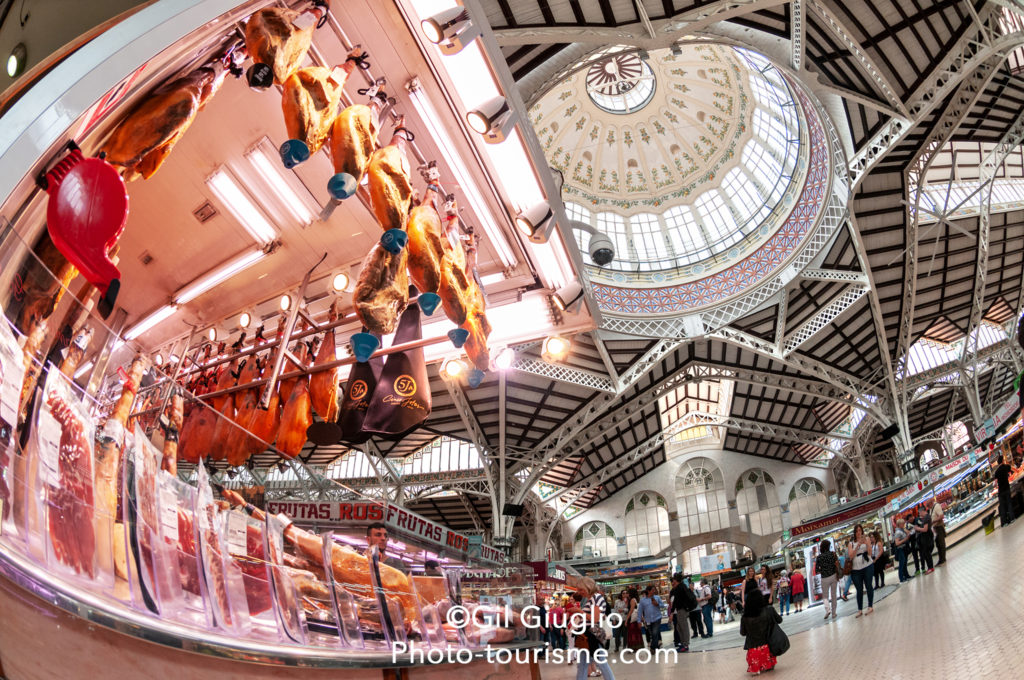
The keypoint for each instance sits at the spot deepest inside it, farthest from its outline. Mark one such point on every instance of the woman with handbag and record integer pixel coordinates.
(881, 558)
(594, 608)
(634, 636)
(862, 569)
(756, 626)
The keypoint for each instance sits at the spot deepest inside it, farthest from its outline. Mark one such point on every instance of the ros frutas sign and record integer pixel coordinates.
(399, 520)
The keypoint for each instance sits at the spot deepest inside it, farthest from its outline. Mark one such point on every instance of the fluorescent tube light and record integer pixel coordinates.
(292, 193)
(222, 273)
(462, 176)
(157, 317)
(232, 197)
(83, 370)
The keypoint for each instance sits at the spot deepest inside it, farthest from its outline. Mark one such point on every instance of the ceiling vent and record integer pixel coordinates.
(205, 212)
(145, 258)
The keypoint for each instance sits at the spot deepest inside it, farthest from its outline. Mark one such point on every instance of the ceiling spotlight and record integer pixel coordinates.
(246, 318)
(339, 282)
(537, 222)
(568, 295)
(213, 334)
(556, 348)
(452, 368)
(285, 302)
(504, 358)
(16, 62)
(451, 30)
(492, 119)
(158, 359)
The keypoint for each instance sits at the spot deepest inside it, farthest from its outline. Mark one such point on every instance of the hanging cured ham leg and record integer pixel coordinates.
(224, 405)
(382, 290)
(323, 386)
(310, 101)
(142, 141)
(109, 449)
(426, 250)
(297, 416)
(454, 286)
(476, 319)
(390, 185)
(235, 448)
(171, 433)
(277, 39)
(353, 141)
(197, 434)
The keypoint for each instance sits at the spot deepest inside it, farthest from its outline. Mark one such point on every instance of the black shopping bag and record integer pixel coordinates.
(355, 402)
(402, 399)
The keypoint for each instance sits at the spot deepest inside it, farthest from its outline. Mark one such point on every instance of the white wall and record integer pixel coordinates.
(662, 480)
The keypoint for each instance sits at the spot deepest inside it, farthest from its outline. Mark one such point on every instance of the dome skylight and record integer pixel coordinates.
(622, 83)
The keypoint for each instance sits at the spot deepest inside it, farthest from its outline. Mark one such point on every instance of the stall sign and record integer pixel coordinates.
(954, 465)
(1009, 409)
(718, 562)
(838, 518)
(546, 571)
(361, 513)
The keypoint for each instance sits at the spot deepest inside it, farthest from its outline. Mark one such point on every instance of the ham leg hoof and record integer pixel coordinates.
(458, 336)
(293, 152)
(106, 303)
(259, 76)
(342, 186)
(364, 345)
(428, 302)
(394, 240)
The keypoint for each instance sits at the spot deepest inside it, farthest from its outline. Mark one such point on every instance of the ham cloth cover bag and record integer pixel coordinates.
(401, 400)
(362, 382)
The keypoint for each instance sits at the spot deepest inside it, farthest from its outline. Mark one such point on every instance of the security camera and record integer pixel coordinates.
(451, 30)
(492, 119)
(537, 222)
(602, 250)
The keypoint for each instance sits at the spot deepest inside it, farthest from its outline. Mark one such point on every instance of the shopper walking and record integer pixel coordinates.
(707, 604)
(863, 567)
(782, 592)
(901, 538)
(696, 620)
(844, 579)
(827, 567)
(764, 584)
(683, 602)
(939, 529)
(650, 617)
(622, 609)
(749, 584)
(913, 545)
(880, 557)
(925, 541)
(634, 638)
(1002, 475)
(797, 590)
(756, 627)
(594, 606)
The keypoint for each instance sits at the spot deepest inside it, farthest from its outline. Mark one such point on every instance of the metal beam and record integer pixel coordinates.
(796, 34)
(567, 374)
(824, 316)
(853, 46)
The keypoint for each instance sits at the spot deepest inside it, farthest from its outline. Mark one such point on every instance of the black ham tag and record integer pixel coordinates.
(402, 399)
(362, 381)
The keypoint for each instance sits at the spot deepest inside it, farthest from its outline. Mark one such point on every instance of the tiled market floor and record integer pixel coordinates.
(963, 621)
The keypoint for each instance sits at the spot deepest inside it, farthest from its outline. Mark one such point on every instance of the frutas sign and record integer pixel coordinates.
(361, 513)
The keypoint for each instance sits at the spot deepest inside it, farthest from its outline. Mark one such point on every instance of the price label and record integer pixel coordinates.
(338, 75)
(237, 525)
(304, 21)
(49, 447)
(12, 375)
(169, 513)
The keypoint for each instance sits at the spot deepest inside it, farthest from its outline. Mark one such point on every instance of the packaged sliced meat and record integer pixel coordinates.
(223, 577)
(244, 540)
(178, 534)
(63, 455)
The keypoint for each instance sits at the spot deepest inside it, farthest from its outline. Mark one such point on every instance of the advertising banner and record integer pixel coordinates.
(838, 517)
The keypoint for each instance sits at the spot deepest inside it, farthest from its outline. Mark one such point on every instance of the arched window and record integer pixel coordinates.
(806, 499)
(595, 539)
(646, 524)
(758, 503)
(700, 496)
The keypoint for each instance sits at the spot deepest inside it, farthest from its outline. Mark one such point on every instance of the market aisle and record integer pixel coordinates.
(961, 621)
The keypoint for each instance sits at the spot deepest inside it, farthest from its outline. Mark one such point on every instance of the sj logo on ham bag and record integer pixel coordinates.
(358, 390)
(405, 386)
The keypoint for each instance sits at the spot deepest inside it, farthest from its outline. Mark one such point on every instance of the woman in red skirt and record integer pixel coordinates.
(755, 626)
(634, 636)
